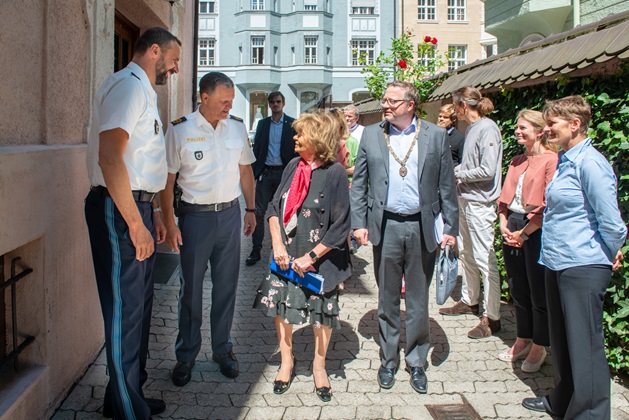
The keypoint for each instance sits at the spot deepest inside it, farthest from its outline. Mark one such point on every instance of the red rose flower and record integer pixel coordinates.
(402, 64)
(434, 41)
(427, 38)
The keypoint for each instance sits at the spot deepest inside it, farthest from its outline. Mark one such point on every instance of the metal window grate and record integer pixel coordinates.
(5, 284)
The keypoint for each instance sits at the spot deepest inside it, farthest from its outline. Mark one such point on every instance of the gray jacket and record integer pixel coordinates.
(368, 196)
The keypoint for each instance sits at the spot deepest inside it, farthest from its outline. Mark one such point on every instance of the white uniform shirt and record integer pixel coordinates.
(127, 100)
(357, 132)
(208, 159)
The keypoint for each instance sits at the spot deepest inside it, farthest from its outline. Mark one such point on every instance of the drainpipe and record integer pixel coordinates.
(402, 17)
(576, 13)
(195, 54)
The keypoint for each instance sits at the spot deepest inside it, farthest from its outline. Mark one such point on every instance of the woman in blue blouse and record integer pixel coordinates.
(581, 239)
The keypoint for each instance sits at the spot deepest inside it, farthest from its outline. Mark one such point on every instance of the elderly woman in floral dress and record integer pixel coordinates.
(309, 225)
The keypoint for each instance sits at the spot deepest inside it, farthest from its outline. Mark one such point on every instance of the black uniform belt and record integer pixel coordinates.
(138, 195)
(274, 167)
(401, 217)
(193, 208)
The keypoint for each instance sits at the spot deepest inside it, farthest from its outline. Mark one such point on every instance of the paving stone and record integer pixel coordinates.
(338, 412)
(302, 413)
(458, 366)
(265, 413)
(373, 412)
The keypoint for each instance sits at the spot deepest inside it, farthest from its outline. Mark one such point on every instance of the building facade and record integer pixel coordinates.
(519, 22)
(458, 26)
(307, 49)
(60, 54)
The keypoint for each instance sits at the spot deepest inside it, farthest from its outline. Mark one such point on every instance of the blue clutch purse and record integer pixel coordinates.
(311, 281)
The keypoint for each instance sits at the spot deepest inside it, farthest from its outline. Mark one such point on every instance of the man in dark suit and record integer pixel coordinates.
(402, 181)
(447, 119)
(273, 147)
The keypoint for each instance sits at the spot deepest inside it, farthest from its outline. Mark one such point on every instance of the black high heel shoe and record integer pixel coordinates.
(324, 393)
(280, 387)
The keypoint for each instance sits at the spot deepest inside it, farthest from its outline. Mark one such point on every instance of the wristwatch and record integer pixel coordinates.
(313, 256)
(524, 236)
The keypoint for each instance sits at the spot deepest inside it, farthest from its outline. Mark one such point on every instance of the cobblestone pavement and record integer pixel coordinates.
(460, 368)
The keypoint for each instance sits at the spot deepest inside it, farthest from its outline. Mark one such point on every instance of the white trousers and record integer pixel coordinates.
(477, 255)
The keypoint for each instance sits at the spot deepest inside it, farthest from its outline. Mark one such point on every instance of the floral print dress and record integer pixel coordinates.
(293, 303)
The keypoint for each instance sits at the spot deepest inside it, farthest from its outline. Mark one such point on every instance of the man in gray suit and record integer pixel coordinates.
(402, 182)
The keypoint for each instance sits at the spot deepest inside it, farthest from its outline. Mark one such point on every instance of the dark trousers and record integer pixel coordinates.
(125, 289)
(402, 252)
(527, 284)
(575, 309)
(266, 185)
(214, 237)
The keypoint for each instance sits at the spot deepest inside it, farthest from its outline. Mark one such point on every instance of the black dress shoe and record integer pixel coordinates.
(324, 393)
(182, 373)
(227, 363)
(156, 406)
(253, 258)
(535, 404)
(280, 387)
(419, 381)
(386, 377)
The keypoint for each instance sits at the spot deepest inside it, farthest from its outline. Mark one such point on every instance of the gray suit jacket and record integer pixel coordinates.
(437, 188)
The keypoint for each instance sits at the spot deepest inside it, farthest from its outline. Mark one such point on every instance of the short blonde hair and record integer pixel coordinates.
(343, 130)
(570, 108)
(449, 109)
(320, 130)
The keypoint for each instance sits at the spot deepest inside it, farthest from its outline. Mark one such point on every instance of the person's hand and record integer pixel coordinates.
(361, 236)
(617, 262)
(516, 239)
(448, 240)
(250, 223)
(280, 256)
(142, 241)
(160, 229)
(303, 264)
(173, 237)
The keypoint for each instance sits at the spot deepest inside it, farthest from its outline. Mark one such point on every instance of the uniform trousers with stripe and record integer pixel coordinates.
(125, 289)
(214, 237)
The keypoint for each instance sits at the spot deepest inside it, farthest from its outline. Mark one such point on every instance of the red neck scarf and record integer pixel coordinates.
(298, 190)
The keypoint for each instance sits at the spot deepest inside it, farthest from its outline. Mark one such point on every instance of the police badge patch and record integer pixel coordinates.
(198, 155)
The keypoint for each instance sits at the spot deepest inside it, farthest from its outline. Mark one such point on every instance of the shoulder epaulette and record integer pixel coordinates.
(179, 120)
(233, 117)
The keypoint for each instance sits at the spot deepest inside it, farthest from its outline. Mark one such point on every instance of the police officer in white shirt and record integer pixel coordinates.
(210, 150)
(126, 164)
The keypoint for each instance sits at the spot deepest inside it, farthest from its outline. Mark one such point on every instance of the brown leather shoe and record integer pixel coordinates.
(485, 328)
(459, 308)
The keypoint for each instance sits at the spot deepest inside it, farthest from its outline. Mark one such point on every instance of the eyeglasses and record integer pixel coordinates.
(391, 102)
(278, 101)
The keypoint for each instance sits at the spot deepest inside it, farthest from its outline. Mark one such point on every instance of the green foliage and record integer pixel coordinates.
(609, 98)
(403, 64)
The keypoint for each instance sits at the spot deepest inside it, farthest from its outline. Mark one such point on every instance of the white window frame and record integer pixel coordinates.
(207, 4)
(257, 4)
(427, 10)
(457, 11)
(363, 10)
(207, 45)
(310, 49)
(360, 46)
(457, 56)
(257, 49)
